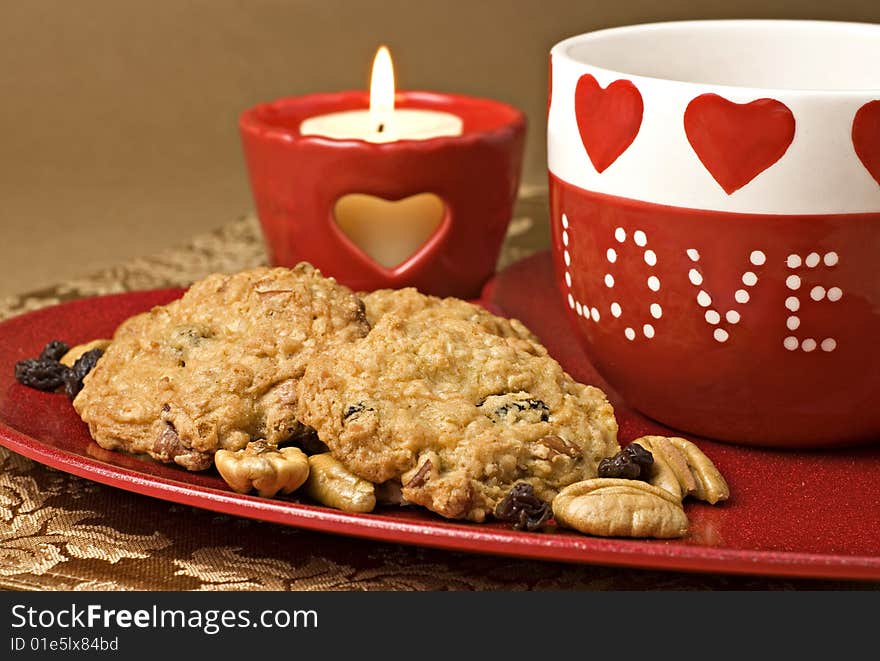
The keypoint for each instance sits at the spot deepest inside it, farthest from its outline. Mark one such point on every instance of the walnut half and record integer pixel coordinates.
(263, 467)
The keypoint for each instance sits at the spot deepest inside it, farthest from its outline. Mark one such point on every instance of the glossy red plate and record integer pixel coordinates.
(807, 514)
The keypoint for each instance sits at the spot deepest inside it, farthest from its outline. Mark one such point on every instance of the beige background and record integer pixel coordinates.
(118, 119)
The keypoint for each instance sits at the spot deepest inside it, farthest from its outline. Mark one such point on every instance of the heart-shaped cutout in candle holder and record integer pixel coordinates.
(389, 231)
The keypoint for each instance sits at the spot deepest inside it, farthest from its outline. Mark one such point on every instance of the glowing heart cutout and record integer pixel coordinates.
(389, 231)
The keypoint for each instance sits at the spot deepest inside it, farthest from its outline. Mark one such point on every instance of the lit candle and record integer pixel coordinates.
(389, 232)
(386, 188)
(382, 122)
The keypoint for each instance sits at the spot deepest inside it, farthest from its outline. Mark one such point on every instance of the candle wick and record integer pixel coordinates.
(381, 128)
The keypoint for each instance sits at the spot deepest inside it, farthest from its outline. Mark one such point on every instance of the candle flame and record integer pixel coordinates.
(382, 89)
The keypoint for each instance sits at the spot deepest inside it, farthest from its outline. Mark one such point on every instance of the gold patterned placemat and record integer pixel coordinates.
(61, 532)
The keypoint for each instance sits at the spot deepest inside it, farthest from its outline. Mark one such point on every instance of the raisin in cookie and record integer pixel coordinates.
(218, 367)
(456, 414)
(408, 301)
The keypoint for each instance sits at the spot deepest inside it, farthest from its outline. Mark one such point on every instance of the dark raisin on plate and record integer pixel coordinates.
(632, 463)
(55, 350)
(523, 508)
(73, 379)
(41, 373)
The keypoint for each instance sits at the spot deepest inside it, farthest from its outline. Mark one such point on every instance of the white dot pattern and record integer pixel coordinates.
(713, 316)
(640, 239)
(817, 293)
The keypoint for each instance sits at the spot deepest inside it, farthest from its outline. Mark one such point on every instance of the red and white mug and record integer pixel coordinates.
(715, 207)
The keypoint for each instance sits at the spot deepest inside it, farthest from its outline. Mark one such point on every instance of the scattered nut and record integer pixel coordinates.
(263, 467)
(71, 356)
(679, 460)
(711, 485)
(669, 470)
(332, 484)
(612, 507)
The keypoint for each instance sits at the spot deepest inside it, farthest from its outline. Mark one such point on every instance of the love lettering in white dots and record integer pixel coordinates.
(721, 316)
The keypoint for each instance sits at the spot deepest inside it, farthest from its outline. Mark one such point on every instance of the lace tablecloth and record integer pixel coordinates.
(61, 532)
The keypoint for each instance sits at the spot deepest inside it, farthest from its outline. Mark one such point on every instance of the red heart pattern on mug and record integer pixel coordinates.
(608, 119)
(866, 137)
(738, 141)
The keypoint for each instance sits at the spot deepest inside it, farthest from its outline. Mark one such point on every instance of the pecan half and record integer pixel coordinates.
(611, 507)
(684, 470)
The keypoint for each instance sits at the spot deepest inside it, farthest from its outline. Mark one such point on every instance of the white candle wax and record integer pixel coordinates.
(399, 124)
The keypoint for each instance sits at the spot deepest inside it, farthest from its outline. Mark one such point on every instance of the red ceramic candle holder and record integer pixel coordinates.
(297, 180)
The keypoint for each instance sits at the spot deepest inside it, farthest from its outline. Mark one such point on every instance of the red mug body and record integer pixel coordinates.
(717, 244)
